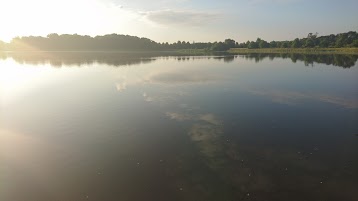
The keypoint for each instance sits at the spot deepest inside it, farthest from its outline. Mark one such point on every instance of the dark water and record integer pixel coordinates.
(108, 126)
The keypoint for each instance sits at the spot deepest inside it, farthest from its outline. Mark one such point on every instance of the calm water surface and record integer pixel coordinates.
(108, 126)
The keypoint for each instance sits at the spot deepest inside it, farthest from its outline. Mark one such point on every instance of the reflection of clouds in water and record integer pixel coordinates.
(121, 81)
(210, 118)
(147, 98)
(178, 116)
(167, 77)
(121, 86)
(207, 138)
(164, 97)
(152, 99)
(207, 118)
(337, 100)
(158, 98)
(205, 131)
(289, 98)
(182, 78)
(292, 98)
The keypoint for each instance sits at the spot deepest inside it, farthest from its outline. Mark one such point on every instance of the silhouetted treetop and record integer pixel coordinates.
(117, 42)
(349, 39)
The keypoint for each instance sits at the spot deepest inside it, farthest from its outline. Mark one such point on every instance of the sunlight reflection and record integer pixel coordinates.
(14, 78)
(18, 79)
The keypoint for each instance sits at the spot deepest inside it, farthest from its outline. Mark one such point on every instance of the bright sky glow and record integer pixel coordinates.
(172, 20)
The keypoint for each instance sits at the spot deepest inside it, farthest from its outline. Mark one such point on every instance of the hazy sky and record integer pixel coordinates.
(172, 20)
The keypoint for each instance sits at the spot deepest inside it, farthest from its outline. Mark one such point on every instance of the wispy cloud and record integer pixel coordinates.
(181, 17)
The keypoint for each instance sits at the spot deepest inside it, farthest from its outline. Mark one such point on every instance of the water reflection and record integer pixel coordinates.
(179, 128)
(59, 59)
(116, 59)
(256, 170)
(341, 60)
(294, 97)
(194, 77)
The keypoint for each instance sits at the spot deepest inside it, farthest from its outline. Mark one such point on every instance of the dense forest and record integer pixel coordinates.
(116, 42)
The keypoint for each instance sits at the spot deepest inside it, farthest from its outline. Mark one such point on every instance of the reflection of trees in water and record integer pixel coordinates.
(2, 55)
(227, 59)
(58, 59)
(345, 61)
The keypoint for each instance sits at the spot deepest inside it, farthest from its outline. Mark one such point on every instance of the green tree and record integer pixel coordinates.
(125, 42)
(273, 44)
(323, 42)
(253, 45)
(340, 41)
(284, 44)
(220, 46)
(264, 44)
(296, 43)
(230, 43)
(355, 43)
(309, 42)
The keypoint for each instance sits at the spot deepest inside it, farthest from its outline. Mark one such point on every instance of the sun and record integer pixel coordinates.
(39, 17)
(42, 17)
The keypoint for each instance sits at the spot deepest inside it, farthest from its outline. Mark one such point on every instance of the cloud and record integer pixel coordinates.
(174, 17)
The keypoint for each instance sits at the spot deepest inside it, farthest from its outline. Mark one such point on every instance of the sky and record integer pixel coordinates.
(185, 20)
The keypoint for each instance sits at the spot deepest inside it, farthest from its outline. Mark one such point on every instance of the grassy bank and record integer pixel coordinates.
(297, 50)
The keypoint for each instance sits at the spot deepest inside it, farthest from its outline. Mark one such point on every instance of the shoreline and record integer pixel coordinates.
(353, 51)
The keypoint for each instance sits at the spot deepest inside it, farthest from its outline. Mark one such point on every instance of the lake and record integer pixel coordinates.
(119, 126)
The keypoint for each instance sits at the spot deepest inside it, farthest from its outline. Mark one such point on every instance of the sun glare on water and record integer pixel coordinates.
(16, 80)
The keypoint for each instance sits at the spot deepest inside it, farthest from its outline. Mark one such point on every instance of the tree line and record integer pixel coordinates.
(116, 42)
(349, 39)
